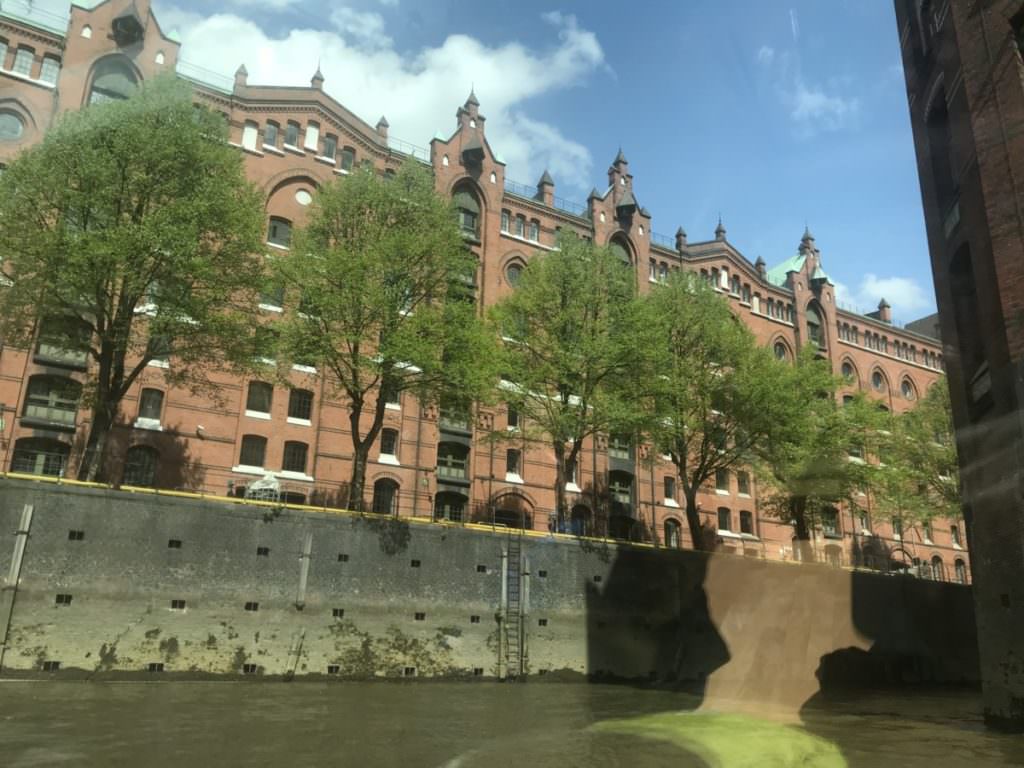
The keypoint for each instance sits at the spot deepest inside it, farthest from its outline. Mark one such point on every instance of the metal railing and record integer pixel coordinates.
(407, 148)
(663, 240)
(205, 76)
(532, 193)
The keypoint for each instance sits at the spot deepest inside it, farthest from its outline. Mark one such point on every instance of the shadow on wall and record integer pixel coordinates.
(649, 621)
(146, 458)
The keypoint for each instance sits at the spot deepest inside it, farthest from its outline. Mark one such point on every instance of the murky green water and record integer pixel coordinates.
(470, 725)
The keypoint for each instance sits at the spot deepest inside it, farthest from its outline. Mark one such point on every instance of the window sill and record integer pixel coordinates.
(273, 150)
(392, 406)
(304, 368)
(671, 503)
(958, 547)
(271, 308)
(28, 79)
(743, 495)
(388, 458)
(342, 172)
(572, 488)
(299, 422)
(266, 360)
(528, 241)
(248, 469)
(325, 160)
(294, 150)
(728, 534)
(159, 364)
(720, 492)
(253, 151)
(150, 424)
(287, 474)
(257, 415)
(511, 477)
(278, 247)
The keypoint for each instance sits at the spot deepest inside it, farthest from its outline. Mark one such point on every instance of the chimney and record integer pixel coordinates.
(546, 189)
(885, 311)
(241, 78)
(382, 127)
(761, 267)
(680, 239)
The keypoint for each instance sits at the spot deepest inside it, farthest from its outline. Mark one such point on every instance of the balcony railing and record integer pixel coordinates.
(53, 353)
(51, 414)
(457, 421)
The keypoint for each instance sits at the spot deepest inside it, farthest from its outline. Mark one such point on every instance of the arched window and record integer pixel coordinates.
(452, 461)
(52, 400)
(300, 404)
(938, 569)
(140, 466)
(907, 390)
(11, 126)
(295, 456)
(450, 506)
(735, 284)
(260, 397)
(620, 251)
(385, 497)
(673, 537)
(848, 372)
(878, 381)
(961, 571)
(279, 232)
(815, 326)
(40, 456)
(113, 80)
(746, 293)
(254, 451)
(781, 351)
(513, 272)
(468, 212)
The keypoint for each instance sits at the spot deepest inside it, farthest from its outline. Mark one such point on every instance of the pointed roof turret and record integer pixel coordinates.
(472, 100)
(680, 239)
(241, 76)
(720, 229)
(546, 179)
(594, 193)
(620, 158)
(883, 304)
(318, 78)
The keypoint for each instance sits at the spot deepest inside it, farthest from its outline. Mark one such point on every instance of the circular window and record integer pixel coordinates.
(877, 381)
(848, 372)
(302, 197)
(11, 127)
(907, 389)
(780, 351)
(513, 273)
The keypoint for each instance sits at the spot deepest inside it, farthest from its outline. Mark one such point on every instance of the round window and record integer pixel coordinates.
(11, 127)
(302, 197)
(513, 273)
(877, 381)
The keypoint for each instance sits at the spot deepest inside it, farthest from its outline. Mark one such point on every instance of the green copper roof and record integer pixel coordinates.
(48, 15)
(777, 274)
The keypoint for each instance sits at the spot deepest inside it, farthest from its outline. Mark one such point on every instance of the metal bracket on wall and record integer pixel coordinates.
(10, 588)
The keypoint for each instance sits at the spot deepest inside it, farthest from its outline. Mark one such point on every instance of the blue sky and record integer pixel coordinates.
(771, 113)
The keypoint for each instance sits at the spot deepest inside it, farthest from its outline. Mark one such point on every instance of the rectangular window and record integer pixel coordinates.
(520, 226)
(897, 528)
(389, 442)
(954, 533)
(330, 146)
(513, 418)
(724, 519)
(722, 480)
(151, 403)
(747, 522)
(743, 482)
(663, 272)
(513, 459)
(63, 599)
(272, 296)
(670, 488)
(250, 134)
(619, 447)
(291, 136)
(261, 395)
(177, 605)
(506, 221)
(279, 232)
(534, 231)
(50, 70)
(23, 61)
(652, 270)
(312, 137)
(348, 158)
(270, 134)
(830, 523)
(294, 457)
(3, 53)
(927, 532)
(300, 404)
(254, 451)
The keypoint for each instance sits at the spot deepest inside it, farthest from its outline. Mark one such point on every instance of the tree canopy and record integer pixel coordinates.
(572, 350)
(130, 232)
(382, 290)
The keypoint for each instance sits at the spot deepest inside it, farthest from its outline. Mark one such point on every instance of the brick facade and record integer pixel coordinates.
(965, 86)
(199, 443)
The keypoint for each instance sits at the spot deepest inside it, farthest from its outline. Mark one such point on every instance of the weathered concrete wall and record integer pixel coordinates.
(410, 592)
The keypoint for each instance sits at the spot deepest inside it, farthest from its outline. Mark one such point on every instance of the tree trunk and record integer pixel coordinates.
(693, 521)
(357, 480)
(798, 509)
(94, 466)
(560, 500)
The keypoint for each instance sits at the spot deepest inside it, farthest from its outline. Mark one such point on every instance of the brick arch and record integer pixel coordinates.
(781, 338)
(519, 495)
(384, 475)
(18, 107)
(905, 376)
(847, 360)
(885, 377)
(474, 185)
(292, 175)
(116, 56)
(621, 238)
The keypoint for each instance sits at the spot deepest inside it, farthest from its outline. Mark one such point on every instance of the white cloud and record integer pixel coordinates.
(905, 294)
(794, 24)
(272, 4)
(418, 91)
(817, 109)
(765, 55)
(361, 27)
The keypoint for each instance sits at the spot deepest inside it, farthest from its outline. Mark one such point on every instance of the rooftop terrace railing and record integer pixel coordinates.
(530, 193)
(663, 240)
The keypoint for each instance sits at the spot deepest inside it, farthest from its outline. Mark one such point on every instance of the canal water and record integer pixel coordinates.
(453, 725)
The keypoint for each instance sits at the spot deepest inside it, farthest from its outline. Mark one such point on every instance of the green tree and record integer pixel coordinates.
(821, 459)
(130, 232)
(920, 479)
(383, 281)
(572, 334)
(716, 397)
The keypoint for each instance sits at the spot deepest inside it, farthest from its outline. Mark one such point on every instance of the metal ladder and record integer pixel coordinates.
(514, 610)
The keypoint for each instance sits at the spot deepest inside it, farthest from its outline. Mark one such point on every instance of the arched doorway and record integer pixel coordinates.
(512, 511)
(385, 497)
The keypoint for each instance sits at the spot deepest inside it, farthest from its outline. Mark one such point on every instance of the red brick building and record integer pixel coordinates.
(429, 463)
(965, 86)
